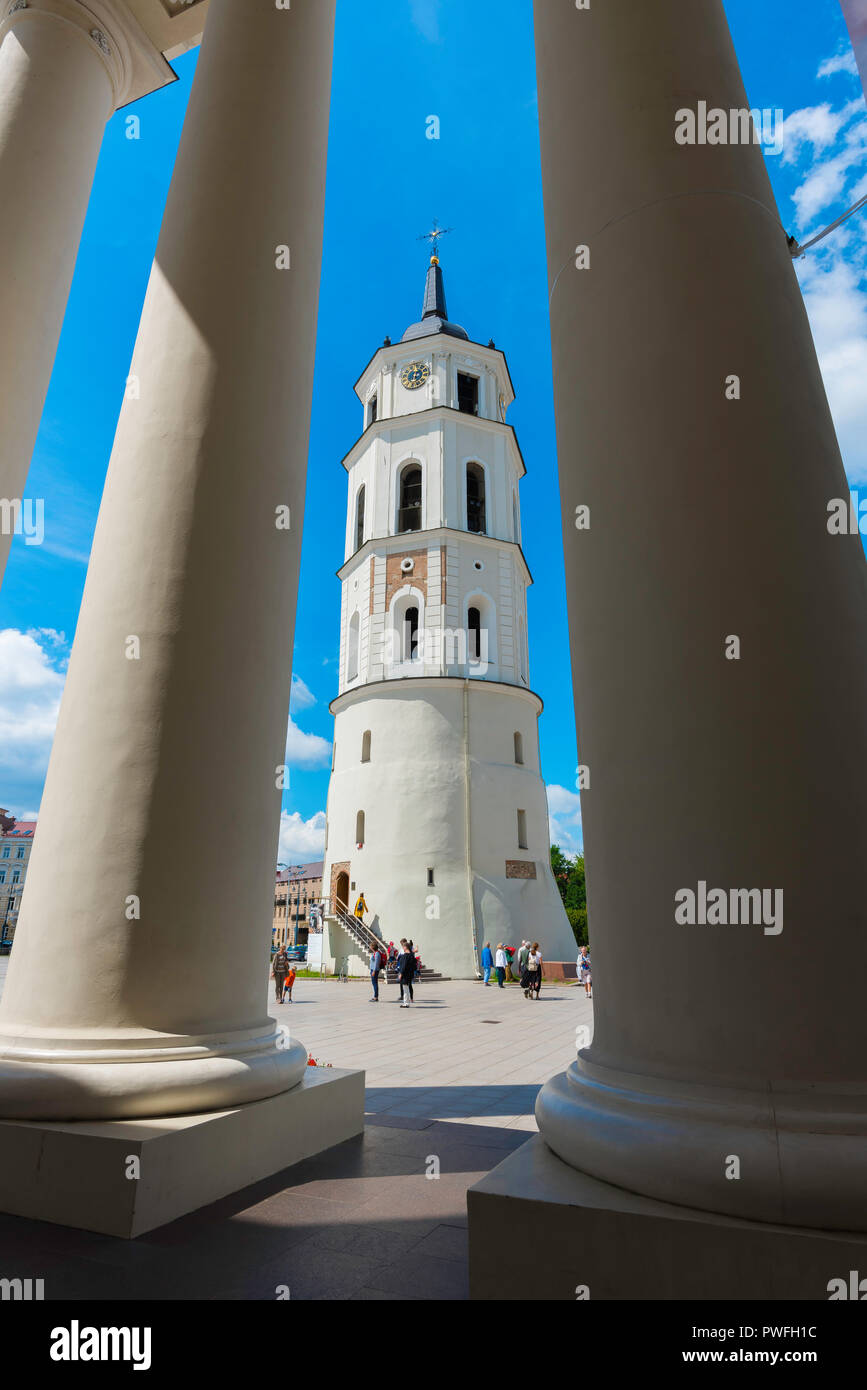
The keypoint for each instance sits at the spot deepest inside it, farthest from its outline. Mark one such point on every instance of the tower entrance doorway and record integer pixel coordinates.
(342, 891)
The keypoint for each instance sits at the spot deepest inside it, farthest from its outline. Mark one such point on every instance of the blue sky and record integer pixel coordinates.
(469, 62)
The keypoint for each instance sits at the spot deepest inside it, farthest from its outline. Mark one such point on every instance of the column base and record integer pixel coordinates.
(119, 1077)
(540, 1230)
(801, 1150)
(80, 1174)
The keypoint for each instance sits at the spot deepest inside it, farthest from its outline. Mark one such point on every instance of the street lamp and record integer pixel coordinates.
(294, 871)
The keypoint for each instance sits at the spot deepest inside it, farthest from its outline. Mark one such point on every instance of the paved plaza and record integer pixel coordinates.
(453, 1079)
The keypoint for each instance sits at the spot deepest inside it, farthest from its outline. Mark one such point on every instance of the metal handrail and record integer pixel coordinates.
(363, 935)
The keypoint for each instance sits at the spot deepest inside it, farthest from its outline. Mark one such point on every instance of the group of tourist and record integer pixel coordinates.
(525, 965)
(406, 961)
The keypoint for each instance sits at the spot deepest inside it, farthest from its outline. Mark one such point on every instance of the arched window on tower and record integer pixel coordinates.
(409, 646)
(519, 748)
(476, 498)
(365, 746)
(359, 517)
(474, 634)
(359, 830)
(409, 505)
(352, 647)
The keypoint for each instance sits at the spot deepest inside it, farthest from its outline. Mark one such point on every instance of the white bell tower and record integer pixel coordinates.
(436, 807)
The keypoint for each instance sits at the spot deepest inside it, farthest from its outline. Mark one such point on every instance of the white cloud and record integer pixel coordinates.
(837, 309)
(31, 683)
(816, 126)
(302, 696)
(844, 61)
(426, 16)
(301, 841)
(564, 816)
(306, 750)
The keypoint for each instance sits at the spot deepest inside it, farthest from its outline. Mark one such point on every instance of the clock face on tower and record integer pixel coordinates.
(415, 375)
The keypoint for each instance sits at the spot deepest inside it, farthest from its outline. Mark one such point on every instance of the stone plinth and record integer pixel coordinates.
(77, 1174)
(618, 1245)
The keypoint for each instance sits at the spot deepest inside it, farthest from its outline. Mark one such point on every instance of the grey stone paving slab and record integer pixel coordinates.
(362, 1221)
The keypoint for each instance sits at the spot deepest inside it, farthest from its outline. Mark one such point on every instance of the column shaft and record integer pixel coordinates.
(161, 794)
(55, 97)
(708, 519)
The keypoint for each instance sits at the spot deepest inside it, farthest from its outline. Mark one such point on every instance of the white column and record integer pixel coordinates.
(161, 795)
(61, 77)
(708, 521)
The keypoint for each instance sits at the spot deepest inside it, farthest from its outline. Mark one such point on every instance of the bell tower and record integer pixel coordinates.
(436, 808)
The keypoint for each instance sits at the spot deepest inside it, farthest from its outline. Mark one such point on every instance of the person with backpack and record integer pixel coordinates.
(406, 965)
(280, 970)
(377, 960)
(534, 971)
(360, 907)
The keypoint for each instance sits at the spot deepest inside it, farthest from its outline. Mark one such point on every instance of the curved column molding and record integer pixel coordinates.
(719, 642)
(126, 1078)
(173, 722)
(800, 1151)
(109, 30)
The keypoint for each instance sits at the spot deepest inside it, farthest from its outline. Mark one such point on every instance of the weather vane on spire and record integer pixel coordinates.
(434, 237)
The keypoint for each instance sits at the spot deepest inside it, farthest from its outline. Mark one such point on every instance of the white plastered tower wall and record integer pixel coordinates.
(436, 808)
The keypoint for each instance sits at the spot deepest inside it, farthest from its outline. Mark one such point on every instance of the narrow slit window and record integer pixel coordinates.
(359, 830)
(365, 746)
(522, 830)
(359, 517)
(519, 748)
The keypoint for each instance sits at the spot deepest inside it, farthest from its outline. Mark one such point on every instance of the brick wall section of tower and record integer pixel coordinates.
(520, 868)
(336, 871)
(396, 579)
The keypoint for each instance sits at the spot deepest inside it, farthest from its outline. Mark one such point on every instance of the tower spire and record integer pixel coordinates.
(434, 314)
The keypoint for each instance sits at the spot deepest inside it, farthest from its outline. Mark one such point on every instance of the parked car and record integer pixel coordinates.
(297, 952)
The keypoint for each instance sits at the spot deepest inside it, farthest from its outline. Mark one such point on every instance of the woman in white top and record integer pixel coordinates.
(534, 971)
(500, 964)
(584, 974)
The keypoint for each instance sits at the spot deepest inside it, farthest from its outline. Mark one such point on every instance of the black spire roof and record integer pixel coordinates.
(434, 314)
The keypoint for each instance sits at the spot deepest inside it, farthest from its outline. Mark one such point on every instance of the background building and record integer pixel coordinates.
(16, 840)
(296, 890)
(436, 808)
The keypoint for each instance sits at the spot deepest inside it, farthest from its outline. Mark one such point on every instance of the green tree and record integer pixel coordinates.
(569, 876)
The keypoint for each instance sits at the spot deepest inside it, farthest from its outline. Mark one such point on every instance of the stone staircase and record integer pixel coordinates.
(367, 941)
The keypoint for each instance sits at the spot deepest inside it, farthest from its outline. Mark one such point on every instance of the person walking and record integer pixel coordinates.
(280, 969)
(585, 975)
(501, 965)
(377, 959)
(360, 907)
(523, 955)
(288, 983)
(487, 963)
(534, 970)
(405, 972)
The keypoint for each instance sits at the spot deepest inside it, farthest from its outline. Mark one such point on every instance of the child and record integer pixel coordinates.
(288, 983)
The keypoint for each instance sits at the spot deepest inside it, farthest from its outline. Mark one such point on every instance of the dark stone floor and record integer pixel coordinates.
(360, 1221)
